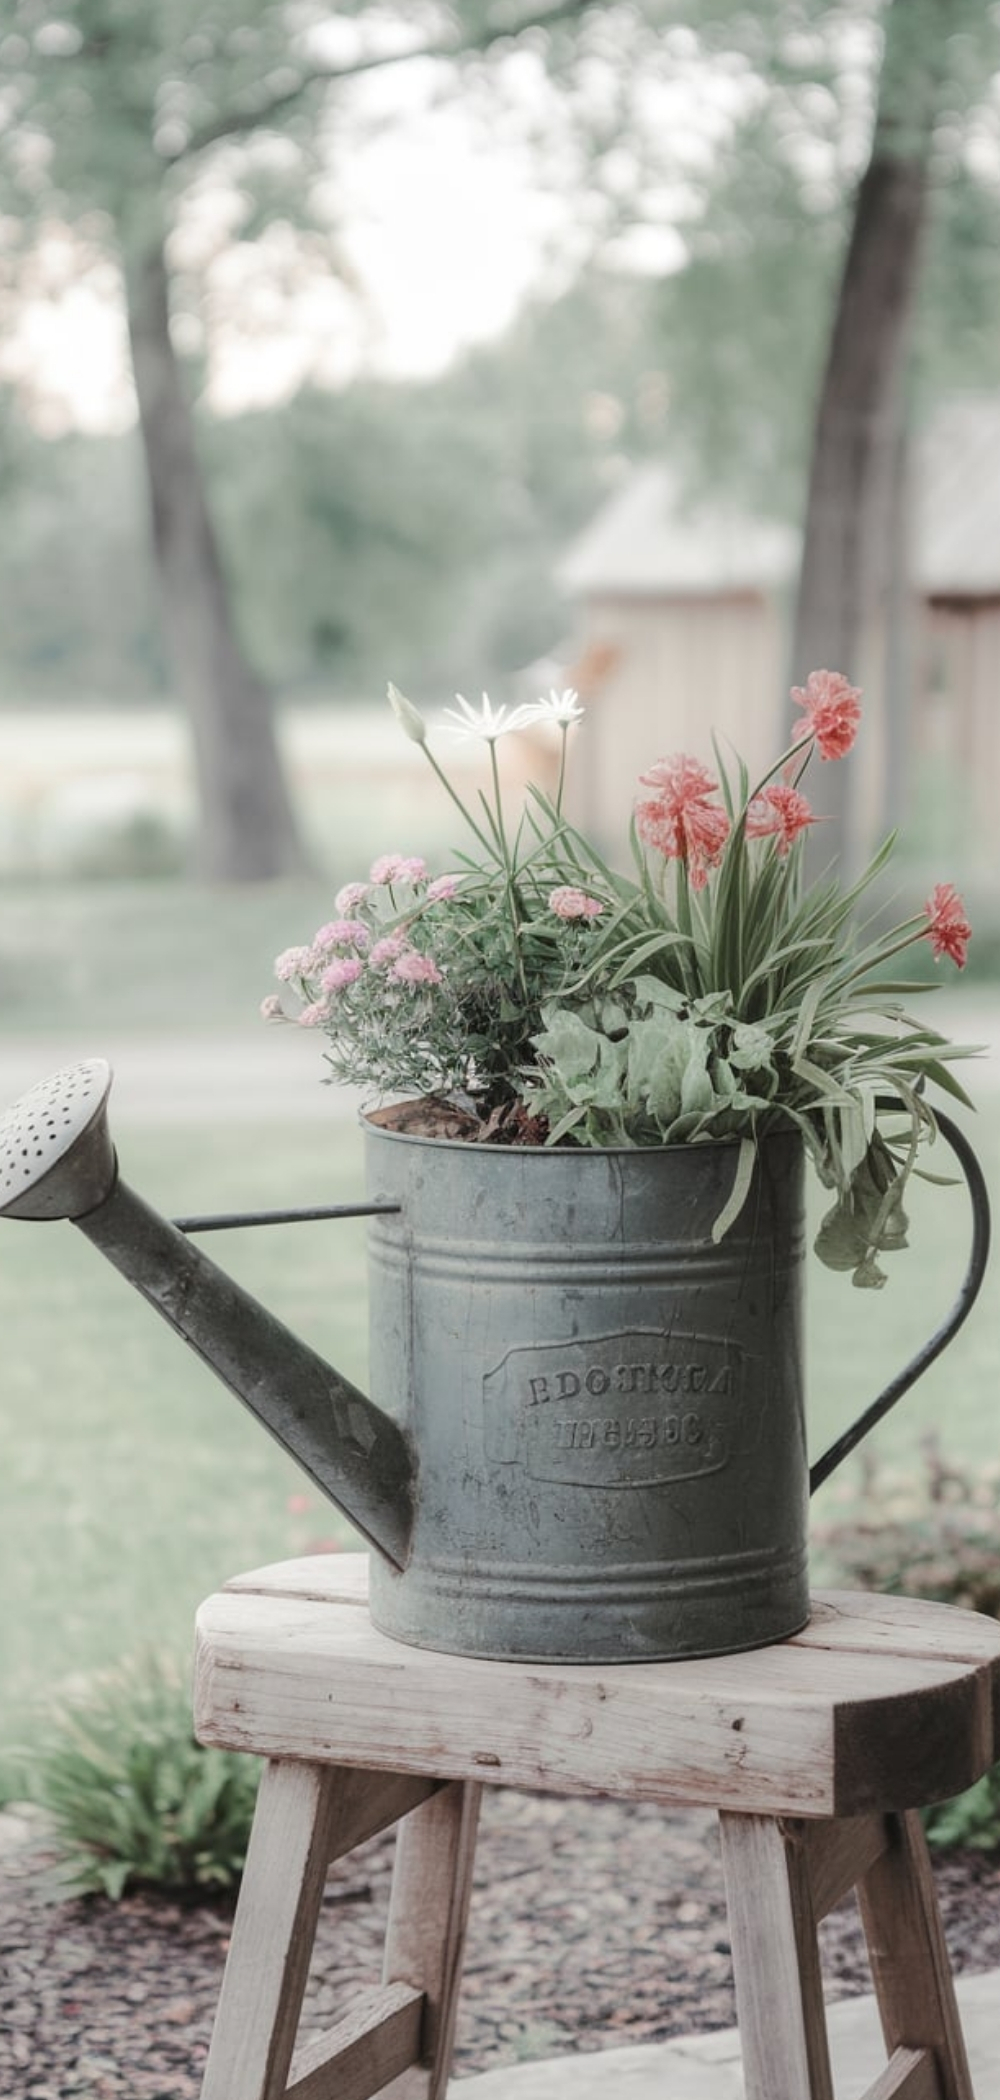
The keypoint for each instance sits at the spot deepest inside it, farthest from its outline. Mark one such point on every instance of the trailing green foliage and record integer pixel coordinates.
(134, 1800)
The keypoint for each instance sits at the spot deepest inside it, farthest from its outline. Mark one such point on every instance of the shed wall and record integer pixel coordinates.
(676, 668)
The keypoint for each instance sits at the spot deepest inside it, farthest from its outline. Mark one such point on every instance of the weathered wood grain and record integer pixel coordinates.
(306, 1816)
(910, 1966)
(428, 1914)
(364, 2051)
(837, 1854)
(910, 2074)
(779, 1991)
(880, 1704)
(810, 1750)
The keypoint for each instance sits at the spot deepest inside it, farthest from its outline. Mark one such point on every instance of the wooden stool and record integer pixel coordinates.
(816, 1754)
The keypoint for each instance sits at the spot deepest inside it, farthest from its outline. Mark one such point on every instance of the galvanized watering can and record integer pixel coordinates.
(590, 1437)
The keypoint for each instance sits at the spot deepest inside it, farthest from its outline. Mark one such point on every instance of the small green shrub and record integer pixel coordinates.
(932, 1533)
(972, 1820)
(133, 1799)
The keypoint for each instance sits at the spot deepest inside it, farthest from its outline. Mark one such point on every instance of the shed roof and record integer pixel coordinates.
(649, 539)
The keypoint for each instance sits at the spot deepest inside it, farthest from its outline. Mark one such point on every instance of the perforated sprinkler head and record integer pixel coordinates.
(56, 1156)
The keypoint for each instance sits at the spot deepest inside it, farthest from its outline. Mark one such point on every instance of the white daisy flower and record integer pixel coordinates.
(488, 721)
(561, 708)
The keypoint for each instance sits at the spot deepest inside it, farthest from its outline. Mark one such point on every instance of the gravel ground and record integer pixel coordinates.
(593, 1924)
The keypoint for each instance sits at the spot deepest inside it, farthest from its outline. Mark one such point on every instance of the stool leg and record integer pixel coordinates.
(306, 1816)
(911, 1969)
(779, 1995)
(261, 1998)
(428, 1910)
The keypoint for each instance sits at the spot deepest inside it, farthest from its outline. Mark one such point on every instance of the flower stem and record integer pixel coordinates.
(910, 930)
(508, 870)
(805, 744)
(685, 925)
(564, 728)
(459, 804)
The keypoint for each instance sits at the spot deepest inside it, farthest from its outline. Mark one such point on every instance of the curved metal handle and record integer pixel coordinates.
(959, 1312)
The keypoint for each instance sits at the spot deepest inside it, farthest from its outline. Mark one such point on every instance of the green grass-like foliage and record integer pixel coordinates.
(932, 1533)
(134, 1801)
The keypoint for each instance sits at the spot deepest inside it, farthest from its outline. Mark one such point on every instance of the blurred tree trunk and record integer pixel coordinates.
(247, 828)
(853, 520)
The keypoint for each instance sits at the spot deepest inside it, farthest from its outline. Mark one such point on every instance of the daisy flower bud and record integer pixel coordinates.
(410, 719)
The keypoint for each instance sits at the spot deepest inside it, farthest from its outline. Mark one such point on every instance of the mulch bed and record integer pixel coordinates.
(593, 1924)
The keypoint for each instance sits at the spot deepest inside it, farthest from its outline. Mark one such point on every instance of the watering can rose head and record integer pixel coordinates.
(709, 994)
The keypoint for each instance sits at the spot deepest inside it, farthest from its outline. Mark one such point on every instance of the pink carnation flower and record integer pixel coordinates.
(412, 968)
(344, 970)
(352, 894)
(443, 887)
(292, 962)
(315, 1015)
(779, 812)
(388, 949)
(680, 821)
(948, 929)
(832, 712)
(342, 933)
(574, 904)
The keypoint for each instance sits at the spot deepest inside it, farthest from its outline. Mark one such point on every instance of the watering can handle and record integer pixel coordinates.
(962, 1307)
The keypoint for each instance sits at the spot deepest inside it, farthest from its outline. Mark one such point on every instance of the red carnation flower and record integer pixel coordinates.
(832, 712)
(948, 929)
(680, 821)
(779, 812)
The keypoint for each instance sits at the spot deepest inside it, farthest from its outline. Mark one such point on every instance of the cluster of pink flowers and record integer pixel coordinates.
(348, 949)
(342, 933)
(574, 904)
(413, 968)
(344, 970)
(394, 867)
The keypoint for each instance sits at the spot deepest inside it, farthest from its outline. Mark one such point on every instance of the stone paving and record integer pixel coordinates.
(707, 2067)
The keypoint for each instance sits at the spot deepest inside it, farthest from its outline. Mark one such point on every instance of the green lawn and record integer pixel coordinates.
(146, 955)
(133, 1483)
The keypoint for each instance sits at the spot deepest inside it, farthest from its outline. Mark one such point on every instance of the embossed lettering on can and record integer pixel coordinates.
(621, 1410)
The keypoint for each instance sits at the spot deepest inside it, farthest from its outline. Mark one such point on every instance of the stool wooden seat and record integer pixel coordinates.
(817, 1753)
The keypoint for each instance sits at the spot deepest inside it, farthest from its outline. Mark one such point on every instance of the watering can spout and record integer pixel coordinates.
(57, 1161)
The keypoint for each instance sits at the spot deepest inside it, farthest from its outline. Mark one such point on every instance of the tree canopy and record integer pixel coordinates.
(421, 521)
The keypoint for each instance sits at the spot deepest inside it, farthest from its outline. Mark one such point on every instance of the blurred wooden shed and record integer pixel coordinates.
(683, 616)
